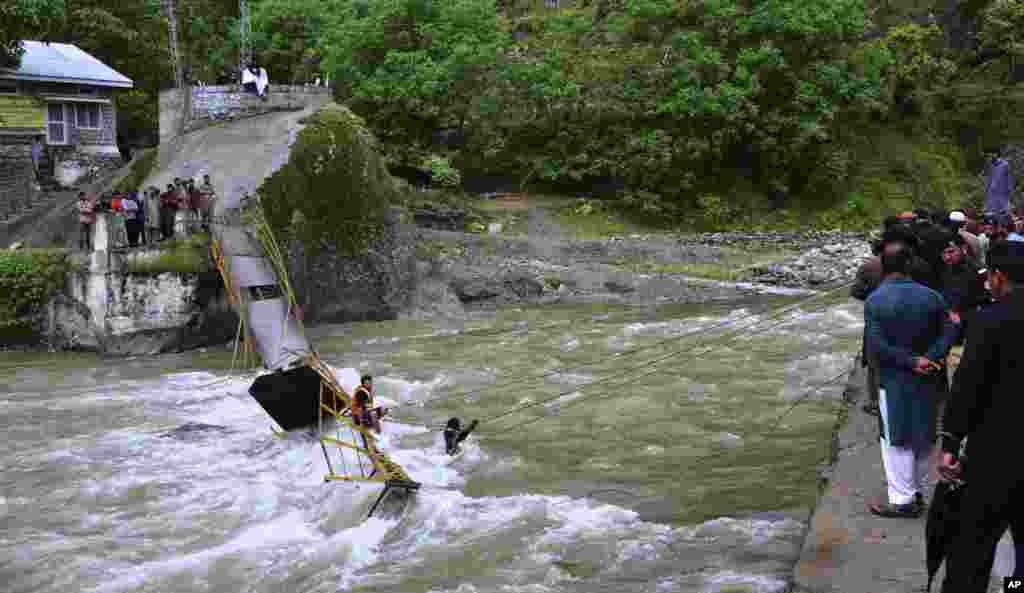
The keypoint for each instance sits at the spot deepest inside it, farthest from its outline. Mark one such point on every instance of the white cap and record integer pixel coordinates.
(957, 216)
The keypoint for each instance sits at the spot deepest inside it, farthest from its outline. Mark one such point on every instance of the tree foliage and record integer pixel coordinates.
(131, 38)
(413, 66)
(1003, 27)
(287, 36)
(670, 96)
(20, 20)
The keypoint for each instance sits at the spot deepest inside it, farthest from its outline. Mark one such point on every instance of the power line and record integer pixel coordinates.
(803, 397)
(630, 352)
(611, 377)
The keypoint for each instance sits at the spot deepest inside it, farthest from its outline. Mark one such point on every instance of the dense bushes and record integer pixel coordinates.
(708, 105)
(683, 96)
(27, 281)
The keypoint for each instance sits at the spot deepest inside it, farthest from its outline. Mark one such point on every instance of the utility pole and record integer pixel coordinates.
(170, 12)
(245, 37)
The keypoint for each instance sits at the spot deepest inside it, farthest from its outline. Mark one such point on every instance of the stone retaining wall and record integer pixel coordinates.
(16, 174)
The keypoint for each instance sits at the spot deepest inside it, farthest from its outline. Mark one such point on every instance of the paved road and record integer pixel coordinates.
(238, 155)
(848, 550)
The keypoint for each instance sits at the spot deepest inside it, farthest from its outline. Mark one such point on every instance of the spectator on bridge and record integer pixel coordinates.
(86, 220)
(209, 195)
(869, 277)
(133, 217)
(978, 242)
(985, 408)
(962, 286)
(168, 209)
(255, 80)
(193, 199)
(908, 328)
(151, 221)
(1016, 226)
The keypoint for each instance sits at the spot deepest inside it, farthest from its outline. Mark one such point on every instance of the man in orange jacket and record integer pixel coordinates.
(363, 412)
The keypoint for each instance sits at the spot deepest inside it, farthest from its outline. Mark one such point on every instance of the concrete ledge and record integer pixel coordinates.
(196, 108)
(212, 105)
(849, 550)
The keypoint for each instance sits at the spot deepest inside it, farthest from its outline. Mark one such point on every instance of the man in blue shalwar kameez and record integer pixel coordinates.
(909, 328)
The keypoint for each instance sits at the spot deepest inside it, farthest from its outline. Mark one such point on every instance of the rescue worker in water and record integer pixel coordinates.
(454, 434)
(363, 412)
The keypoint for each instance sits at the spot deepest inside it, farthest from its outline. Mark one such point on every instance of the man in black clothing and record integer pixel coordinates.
(986, 406)
(962, 286)
(454, 434)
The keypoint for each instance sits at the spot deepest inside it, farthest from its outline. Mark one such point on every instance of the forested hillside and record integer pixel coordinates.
(731, 108)
(715, 111)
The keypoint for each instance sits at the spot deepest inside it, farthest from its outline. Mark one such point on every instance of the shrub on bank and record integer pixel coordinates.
(28, 280)
(186, 256)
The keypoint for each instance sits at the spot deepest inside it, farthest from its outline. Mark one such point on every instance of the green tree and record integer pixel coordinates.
(208, 38)
(131, 38)
(1002, 29)
(669, 96)
(20, 20)
(287, 36)
(412, 66)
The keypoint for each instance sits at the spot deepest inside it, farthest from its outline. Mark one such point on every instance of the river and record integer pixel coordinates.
(689, 463)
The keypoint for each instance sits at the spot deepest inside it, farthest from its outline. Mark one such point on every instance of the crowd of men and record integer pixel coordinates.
(148, 217)
(941, 282)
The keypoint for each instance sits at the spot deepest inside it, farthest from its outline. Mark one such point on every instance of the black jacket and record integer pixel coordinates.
(987, 399)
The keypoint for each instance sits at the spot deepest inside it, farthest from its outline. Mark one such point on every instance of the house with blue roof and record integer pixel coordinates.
(64, 98)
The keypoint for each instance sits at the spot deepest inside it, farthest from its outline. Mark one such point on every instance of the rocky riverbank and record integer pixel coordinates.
(829, 264)
(490, 269)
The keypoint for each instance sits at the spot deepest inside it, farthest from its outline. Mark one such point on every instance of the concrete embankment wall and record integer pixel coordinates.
(109, 307)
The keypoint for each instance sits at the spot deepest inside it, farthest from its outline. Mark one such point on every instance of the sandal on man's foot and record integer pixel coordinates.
(896, 511)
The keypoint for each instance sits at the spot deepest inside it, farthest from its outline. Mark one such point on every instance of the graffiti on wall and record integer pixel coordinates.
(215, 105)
